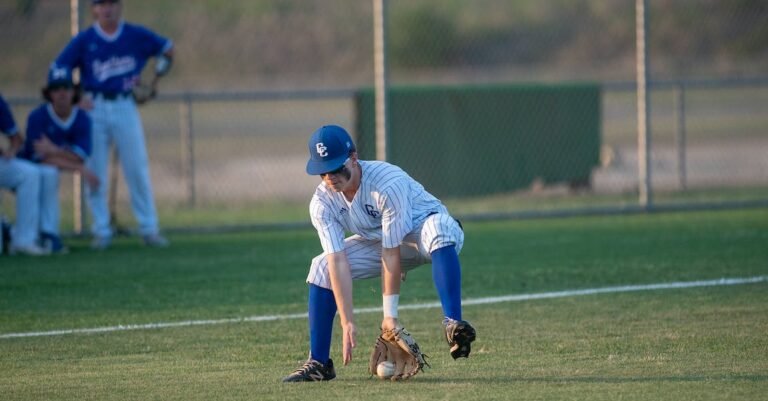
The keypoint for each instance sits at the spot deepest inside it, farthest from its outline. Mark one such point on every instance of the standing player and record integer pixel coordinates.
(58, 138)
(23, 178)
(110, 56)
(396, 226)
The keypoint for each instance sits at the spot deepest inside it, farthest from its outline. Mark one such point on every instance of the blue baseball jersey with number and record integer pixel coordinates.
(7, 123)
(73, 134)
(112, 63)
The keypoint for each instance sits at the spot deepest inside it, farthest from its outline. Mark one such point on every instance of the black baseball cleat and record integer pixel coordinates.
(459, 335)
(312, 371)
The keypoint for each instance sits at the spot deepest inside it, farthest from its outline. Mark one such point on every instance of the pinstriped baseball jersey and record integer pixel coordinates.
(388, 205)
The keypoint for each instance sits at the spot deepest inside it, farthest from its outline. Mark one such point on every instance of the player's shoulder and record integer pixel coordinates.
(86, 34)
(40, 112)
(381, 174)
(133, 30)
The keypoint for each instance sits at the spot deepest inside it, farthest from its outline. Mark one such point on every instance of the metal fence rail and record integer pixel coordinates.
(209, 149)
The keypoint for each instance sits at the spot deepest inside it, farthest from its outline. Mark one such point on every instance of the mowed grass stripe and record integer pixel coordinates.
(475, 301)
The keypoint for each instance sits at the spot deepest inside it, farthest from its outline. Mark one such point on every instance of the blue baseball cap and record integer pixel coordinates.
(59, 77)
(329, 148)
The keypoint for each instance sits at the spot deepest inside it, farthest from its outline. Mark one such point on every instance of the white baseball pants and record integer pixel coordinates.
(118, 121)
(437, 231)
(23, 177)
(49, 199)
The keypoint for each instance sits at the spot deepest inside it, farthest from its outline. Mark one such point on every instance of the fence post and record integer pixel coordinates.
(643, 106)
(380, 76)
(187, 149)
(680, 141)
(78, 188)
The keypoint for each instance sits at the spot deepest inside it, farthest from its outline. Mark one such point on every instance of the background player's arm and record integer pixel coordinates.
(63, 158)
(341, 283)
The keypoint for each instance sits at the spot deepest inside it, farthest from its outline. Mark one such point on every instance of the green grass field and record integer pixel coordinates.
(704, 343)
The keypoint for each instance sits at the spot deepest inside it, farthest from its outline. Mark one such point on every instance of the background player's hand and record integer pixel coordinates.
(90, 178)
(44, 147)
(86, 103)
(14, 144)
(348, 341)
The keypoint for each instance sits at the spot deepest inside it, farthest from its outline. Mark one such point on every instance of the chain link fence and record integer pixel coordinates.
(253, 79)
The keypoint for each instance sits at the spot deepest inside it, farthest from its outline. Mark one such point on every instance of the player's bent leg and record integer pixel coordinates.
(322, 311)
(24, 178)
(446, 274)
(444, 237)
(49, 210)
(49, 199)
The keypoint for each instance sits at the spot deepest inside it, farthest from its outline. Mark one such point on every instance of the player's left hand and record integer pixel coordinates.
(142, 93)
(348, 342)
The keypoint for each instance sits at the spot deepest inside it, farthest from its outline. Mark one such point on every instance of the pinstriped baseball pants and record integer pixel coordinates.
(118, 121)
(437, 231)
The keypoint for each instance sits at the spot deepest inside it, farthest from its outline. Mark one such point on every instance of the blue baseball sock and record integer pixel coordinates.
(322, 310)
(446, 273)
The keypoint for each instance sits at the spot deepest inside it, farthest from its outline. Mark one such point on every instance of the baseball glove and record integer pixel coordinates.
(142, 93)
(397, 346)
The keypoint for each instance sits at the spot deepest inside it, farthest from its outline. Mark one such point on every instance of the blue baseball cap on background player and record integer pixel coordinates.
(59, 77)
(329, 148)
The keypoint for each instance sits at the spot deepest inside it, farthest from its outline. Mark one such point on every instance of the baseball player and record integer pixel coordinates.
(23, 178)
(58, 138)
(396, 226)
(110, 56)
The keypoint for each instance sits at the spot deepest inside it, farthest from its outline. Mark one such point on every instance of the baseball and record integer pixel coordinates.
(385, 370)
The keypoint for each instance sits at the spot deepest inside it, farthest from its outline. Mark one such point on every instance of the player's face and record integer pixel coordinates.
(337, 179)
(62, 96)
(108, 12)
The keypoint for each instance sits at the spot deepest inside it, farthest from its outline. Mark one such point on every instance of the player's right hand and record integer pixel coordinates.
(348, 341)
(86, 103)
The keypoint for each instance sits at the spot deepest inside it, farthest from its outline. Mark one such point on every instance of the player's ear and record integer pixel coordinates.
(353, 156)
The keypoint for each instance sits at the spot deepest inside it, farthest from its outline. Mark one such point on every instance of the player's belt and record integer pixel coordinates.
(110, 95)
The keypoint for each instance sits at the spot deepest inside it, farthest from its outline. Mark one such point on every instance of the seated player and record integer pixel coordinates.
(58, 138)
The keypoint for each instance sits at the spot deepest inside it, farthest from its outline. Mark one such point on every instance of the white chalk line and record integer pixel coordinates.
(428, 305)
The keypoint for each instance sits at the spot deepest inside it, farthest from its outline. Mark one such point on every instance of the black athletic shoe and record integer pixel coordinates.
(312, 371)
(459, 335)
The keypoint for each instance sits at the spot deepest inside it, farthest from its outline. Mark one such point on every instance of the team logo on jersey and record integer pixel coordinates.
(115, 66)
(372, 211)
(321, 149)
